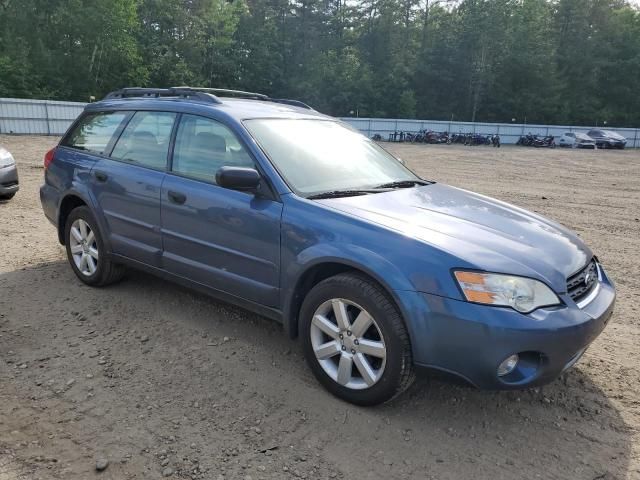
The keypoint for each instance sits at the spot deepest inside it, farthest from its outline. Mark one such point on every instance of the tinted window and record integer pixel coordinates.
(595, 133)
(94, 131)
(203, 146)
(145, 140)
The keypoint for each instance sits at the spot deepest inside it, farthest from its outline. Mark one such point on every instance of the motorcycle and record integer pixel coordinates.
(419, 138)
(477, 139)
(527, 140)
(458, 138)
(547, 141)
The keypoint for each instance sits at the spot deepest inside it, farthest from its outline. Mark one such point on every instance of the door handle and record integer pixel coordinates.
(101, 176)
(177, 197)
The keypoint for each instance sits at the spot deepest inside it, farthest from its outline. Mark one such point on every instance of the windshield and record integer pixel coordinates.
(316, 156)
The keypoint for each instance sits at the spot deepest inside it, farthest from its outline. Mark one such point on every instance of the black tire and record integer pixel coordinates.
(107, 271)
(398, 373)
(8, 196)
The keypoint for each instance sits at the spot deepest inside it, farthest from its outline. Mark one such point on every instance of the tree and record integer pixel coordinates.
(551, 61)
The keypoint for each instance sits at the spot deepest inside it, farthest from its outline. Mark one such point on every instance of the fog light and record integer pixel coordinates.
(507, 366)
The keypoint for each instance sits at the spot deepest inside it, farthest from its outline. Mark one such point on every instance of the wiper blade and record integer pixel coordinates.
(341, 193)
(403, 184)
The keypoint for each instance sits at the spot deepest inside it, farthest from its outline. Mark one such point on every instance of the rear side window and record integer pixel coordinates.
(145, 140)
(203, 146)
(94, 131)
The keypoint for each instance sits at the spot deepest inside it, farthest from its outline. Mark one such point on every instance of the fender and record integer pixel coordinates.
(349, 255)
(79, 188)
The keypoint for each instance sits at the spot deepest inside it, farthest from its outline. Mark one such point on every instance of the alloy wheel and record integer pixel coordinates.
(348, 344)
(84, 247)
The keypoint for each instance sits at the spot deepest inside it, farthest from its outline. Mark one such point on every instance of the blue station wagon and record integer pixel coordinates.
(270, 205)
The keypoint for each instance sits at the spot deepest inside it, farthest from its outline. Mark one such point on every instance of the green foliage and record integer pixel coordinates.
(547, 61)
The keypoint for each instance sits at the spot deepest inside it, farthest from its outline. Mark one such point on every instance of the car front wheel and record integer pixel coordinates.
(355, 340)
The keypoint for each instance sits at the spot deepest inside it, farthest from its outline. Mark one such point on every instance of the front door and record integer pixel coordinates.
(221, 238)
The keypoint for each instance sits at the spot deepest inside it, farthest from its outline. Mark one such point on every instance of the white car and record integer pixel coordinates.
(576, 140)
(8, 175)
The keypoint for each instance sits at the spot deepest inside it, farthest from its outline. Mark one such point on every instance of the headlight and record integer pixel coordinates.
(6, 158)
(520, 293)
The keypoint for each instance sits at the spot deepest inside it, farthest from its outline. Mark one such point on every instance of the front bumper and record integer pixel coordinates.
(611, 143)
(9, 180)
(471, 340)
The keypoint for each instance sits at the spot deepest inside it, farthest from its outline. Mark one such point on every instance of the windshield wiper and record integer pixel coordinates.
(341, 193)
(403, 184)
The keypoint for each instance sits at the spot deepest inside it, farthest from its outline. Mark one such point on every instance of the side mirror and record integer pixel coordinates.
(238, 178)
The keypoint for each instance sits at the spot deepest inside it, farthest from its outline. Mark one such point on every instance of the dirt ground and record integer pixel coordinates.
(160, 381)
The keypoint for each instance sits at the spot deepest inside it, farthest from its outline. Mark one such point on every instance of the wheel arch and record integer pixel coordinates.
(68, 203)
(319, 270)
(77, 197)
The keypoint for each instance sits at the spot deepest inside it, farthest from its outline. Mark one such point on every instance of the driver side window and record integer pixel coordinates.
(203, 146)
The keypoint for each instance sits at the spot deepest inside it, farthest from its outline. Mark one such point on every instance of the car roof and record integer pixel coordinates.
(237, 108)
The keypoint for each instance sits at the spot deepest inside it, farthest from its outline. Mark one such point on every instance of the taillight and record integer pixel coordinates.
(48, 157)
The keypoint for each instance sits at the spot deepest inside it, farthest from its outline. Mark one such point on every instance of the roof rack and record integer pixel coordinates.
(184, 92)
(287, 101)
(209, 95)
(225, 92)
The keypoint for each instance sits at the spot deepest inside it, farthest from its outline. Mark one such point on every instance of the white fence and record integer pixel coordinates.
(509, 132)
(48, 117)
(37, 117)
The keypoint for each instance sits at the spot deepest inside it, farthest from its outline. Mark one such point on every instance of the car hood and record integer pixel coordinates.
(6, 159)
(483, 233)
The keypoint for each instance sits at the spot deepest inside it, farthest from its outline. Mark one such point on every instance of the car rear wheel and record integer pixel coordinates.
(86, 252)
(355, 340)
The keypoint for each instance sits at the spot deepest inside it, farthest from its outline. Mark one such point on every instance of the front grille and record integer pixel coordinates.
(580, 284)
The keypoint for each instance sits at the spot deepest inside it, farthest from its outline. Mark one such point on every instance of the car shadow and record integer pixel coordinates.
(153, 332)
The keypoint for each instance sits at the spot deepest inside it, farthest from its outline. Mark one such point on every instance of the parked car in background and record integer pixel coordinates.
(292, 214)
(607, 139)
(576, 140)
(8, 175)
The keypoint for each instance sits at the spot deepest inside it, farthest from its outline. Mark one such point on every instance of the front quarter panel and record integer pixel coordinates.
(313, 234)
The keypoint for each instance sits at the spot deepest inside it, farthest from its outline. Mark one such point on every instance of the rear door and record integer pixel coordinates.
(127, 185)
(221, 238)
